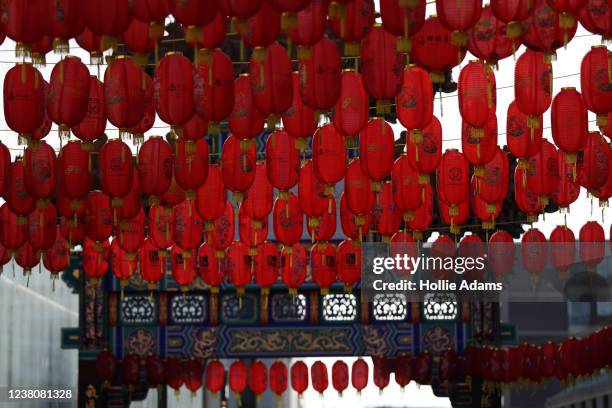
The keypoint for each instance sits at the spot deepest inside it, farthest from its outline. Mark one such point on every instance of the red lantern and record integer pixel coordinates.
(57, 257)
(209, 266)
(106, 365)
(534, 252)
(140, 40)
(109, 18)
(223, 232)
(95, 259)
(174, 88)
(407, 192)
(116, 170)
(68, 94)
(376, 147)
(192, 15)
(596, 17)
(314, 196)
(328, 155)
(350, 114)
(546, 30)
(351, 22)
(210, 200)
(282, 161)
(148, 119)
(521, 142)
(484, 211)
(122, 264)
(271, 80)
(161, 226)
(493, 185)
(238, 166)
(593, 162)
(28, 22)
(94, 44)
(17, 197)
(424, 150)
(183, 266)
(562, 250)
(240, 266)
(188, 227)
(567, 189)
(595, 82)
(403, 370)
(324, 267)
(213, 90)
(526, 200)
(72, 230)
(152, 11)
(477, 96)
(359, 375)
(245, 121)
(215, 376)
(238, 377)
(152, 263)
(288, 219)
(258, 201)
(320, 75)
(500, 255)
(93, 124)
(459, 17)
(533, 78)
(569, 122)
(266, 266)
(349, 262)
(42, 227)
(592, 245)
(262, 28)
(131, 233)
(323, 228)
(27, 258)
(193, 372)
(318, 374)
(194, 129)
(454, 219)
(414, 102)
(124, 93)
(299, 377)
(278, 378)
(543, 173)
(39, 170)
(299, 120)
(422, 368)
(98, 218)
(358, 189)
(155, 167)
(340, 376)
(387, 215)
(293, 267)
(453, 179)
(512, 12)
(213, 33)
(191, 165)
(311, 22)
(258, 377)
(381, 372)
(402, 20)
(433, 49)
(489, 39)
(24, 99)
(479, 150)
(353, 226)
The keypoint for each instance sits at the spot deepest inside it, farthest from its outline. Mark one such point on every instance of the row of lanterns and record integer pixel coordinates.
(567, 361)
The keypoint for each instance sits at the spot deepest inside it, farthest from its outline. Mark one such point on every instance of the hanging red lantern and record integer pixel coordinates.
(238, 377)
(245, 121)
(258, 378)
(381, 67)
(271, 80)
(414, 102)
(173, 368)
(194, 129)
(407, 192)
(433, 49)
(512, 12)
(252, 232)
(299, 377)
(351, 22)
(376, 147)
(215, 376)
(546, 30)
(479, 150)
(238, 166)
(353, 226)
(72, 230)
(459, 17)
(477, 96)
(68, 94)
(596, 17)
(193, 373)
(106, 365)
(24, 99)
(359, 375)
(593, 162)
(350, 114)
(17, 197)
(534, 250)
(526, 200)
(213, 33)
(213, 90)
(174, 89)
(152, 263)
(94, 44)
(278, 378)
(95, 259)
(403, 370)
(148, 119)
(223, 233)
(122, 264)
(314, 196)
(323, 228)
(188, 227)
(422, 368)
(56, 258)
(521, 142)
(567, 189)
(340, 376)
(324, 267)
(387, 215)
(116, 170)
(27, 258)
(174, 195)
(288, 219)
(140, 40)
(39, 166)
(183, 267)
(453, 179)
(484, 211)
(596, 82)
(93, 124)
(328, 155)
(124, 93)
(320, 75)
(592, 245)
(41, 229)
(258, 201)
(209, 266)
(311, 23)
(380, 373)
(191, 165)
(425, 149)
(153, 12)
(98, 216)
(543, 173)
(358, 189)
(155, 167)
(489, 40)
(402, 20)
(262, 28)
(500, 254)
(211, 197)
(161, 226)
(349, 263)
(282, 161)
(266, 266)
(569, 122)
(131, 233)
(108, 19)
(193, 15)
(493, 185)
(319, 376)
(240, 266)
(562, 250)
(293, 267)
(27, 23)
(533, 97)
(299, 120)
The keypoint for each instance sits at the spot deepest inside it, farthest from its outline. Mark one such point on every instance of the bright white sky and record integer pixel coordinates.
(567, 66)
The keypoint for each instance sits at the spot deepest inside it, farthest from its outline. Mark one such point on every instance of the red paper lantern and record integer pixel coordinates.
(124, 93)
(193, 372)
(422, 368)
(148, 119)
(288, 219)
(252, 232)
(258, 377)
(349, 262)
(213, 33)
(534, 252)
(407, 192)
(213, 90)
(106, 365)
(293, 267)
(282, 161)
(350, 114)
(376, 147)
(223, 233)
(109, 18)
(592, 244)
(93, 124)
(98, 216)
(152, 11)
(359, 375)
(523, 140)
(477, 95)
(595, 82)
(596, 17)
(569, 122)
(323, 228)
(240, 265)
(459, 17)
(380, 373)
(313, 198)
(116, 169)
(42, 227)
(489, 39)
(353, 226)
(320, 75)
(238, 377)
(328, 155)
(453, 178)
(245, 121)
(24, 99)
(476, 149)
(299, 377)
(278, 378)
(448, 365)
(209, 266)
(319, 376)
(512, 12)
(17, 197)
(567, 189)
(533, 78)
(358, 189)
(403, 20)
(194, 129)
(183, 266)
(94, 44)
(262, 28)
(324, 267)
(238, 165)
(351, 22)
(174, 89)
(543, 173)
(500, 255)
(211, 197)
(526, 200)
(56, 258)
(266, 266)
(424, 150)
(72, 230)
(299, 120)
(593, 162)
(215, 376)
(131, 233)
(258, 201)
(433, 48)
(191, 165)
(311, 22)
(140, 39)
(414, 102)
(28, 22)
(173, 368)
(95, 259)
(562, 249)
(193, 15)
(122, 264)
(68, 94)
(39, 166)
(155, 164)
(152, 263)
(403, 370)
(546, 30)
(340, 376)
(493, 185)
(387, 215)
(188, 227)
(27, 258)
